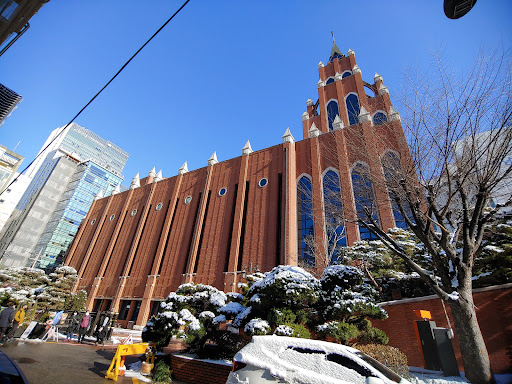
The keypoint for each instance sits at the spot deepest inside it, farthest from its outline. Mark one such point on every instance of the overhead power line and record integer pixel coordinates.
(98, 93)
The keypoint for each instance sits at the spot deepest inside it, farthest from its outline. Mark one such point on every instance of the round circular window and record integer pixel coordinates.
(112, 217)
(263, 182)
(93, 221)
(188, 199)
(134, 212)
(159, 206)
(222, 191)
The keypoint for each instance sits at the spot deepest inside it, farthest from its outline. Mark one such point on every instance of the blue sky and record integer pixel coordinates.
(220, 73)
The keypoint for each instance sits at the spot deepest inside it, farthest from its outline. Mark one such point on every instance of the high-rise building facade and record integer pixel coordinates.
(10, 162)
(9, 100)
(14, 17)
(256, 211)
(73, 167)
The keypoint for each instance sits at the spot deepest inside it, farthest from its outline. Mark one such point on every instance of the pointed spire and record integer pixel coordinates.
(393, 115)
(337, 123)
(246, 150)
(213, 159)
(351, 52)
(183, 169)
(356, 69)
(309, 102)
(116, 190)
(377, 77)
(305, 116)
(158, 176)
(335, 51)
(383, 89)
(314, 131)
(320, 64)
(135, 182)
(288, 137)
(152, 173)
(364, 115)
(100, 195)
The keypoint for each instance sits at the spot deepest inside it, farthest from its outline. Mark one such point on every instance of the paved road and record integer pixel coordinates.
(65, 363)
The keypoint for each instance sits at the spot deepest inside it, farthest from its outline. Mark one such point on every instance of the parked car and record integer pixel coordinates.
(280, 359)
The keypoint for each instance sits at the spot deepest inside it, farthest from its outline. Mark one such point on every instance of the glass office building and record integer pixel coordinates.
(88, 180)
(60, 206)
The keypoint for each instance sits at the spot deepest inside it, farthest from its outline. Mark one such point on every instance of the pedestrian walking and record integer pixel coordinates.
(84, 325)
(18, 319)
(73, 325)
(101, 330)
(6, 318)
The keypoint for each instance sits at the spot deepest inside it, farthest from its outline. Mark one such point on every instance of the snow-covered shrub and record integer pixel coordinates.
(283, 330)
(194, 312)
(257, 327)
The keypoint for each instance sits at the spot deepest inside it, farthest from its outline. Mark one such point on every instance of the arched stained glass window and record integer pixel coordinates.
(305, 225)
(329, 80)
(334, 218)
(391, 167)
(352, 102)
(379, 118)
(332, 111)
(364, 198)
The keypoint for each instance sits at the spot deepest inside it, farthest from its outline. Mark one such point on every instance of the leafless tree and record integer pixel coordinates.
(459, 133)
(324, 251)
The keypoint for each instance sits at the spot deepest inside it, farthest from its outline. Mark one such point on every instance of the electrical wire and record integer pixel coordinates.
(96, 95)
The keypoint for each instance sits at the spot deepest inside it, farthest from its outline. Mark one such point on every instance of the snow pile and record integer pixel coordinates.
(134, 372)
(302, 361)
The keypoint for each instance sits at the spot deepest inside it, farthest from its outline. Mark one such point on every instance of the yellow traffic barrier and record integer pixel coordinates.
(124, 350)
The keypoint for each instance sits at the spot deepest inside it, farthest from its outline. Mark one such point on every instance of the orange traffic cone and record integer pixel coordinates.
(122, 368)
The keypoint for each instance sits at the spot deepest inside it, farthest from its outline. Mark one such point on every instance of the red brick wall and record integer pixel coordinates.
(199, 372)
(494, 312)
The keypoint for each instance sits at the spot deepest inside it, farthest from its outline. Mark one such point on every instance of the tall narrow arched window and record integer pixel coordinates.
(305, 225)
(364, 197)
(334, 218)
(379, 118)
(352, 102)
(346, 74)
(329, 80)
(391, 167)
(332, 111)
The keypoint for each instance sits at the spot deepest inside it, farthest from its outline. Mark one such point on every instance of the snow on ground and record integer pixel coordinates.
(134, 372)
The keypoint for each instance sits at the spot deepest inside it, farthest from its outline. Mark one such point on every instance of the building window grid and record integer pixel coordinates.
(333, 215)
(364, 198)
(305, 223)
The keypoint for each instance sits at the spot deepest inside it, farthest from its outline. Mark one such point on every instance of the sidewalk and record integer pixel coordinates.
(65, 362)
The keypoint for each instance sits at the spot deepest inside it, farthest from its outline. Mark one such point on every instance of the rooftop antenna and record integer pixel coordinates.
(333, 41)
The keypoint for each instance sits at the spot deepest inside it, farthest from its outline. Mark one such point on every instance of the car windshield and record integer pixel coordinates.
(379, 367)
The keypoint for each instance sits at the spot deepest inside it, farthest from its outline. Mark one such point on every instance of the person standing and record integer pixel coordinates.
(102, 330)
(18, 319)
(84, 325)
(74, 325)
(6, 318)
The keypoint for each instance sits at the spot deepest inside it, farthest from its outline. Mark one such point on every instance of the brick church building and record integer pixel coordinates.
(256, 211)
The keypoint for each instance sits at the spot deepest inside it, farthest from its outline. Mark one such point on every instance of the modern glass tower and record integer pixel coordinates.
(59, 201)
(89, 180)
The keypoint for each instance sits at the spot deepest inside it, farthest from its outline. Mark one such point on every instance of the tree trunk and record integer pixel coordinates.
(475, 358)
